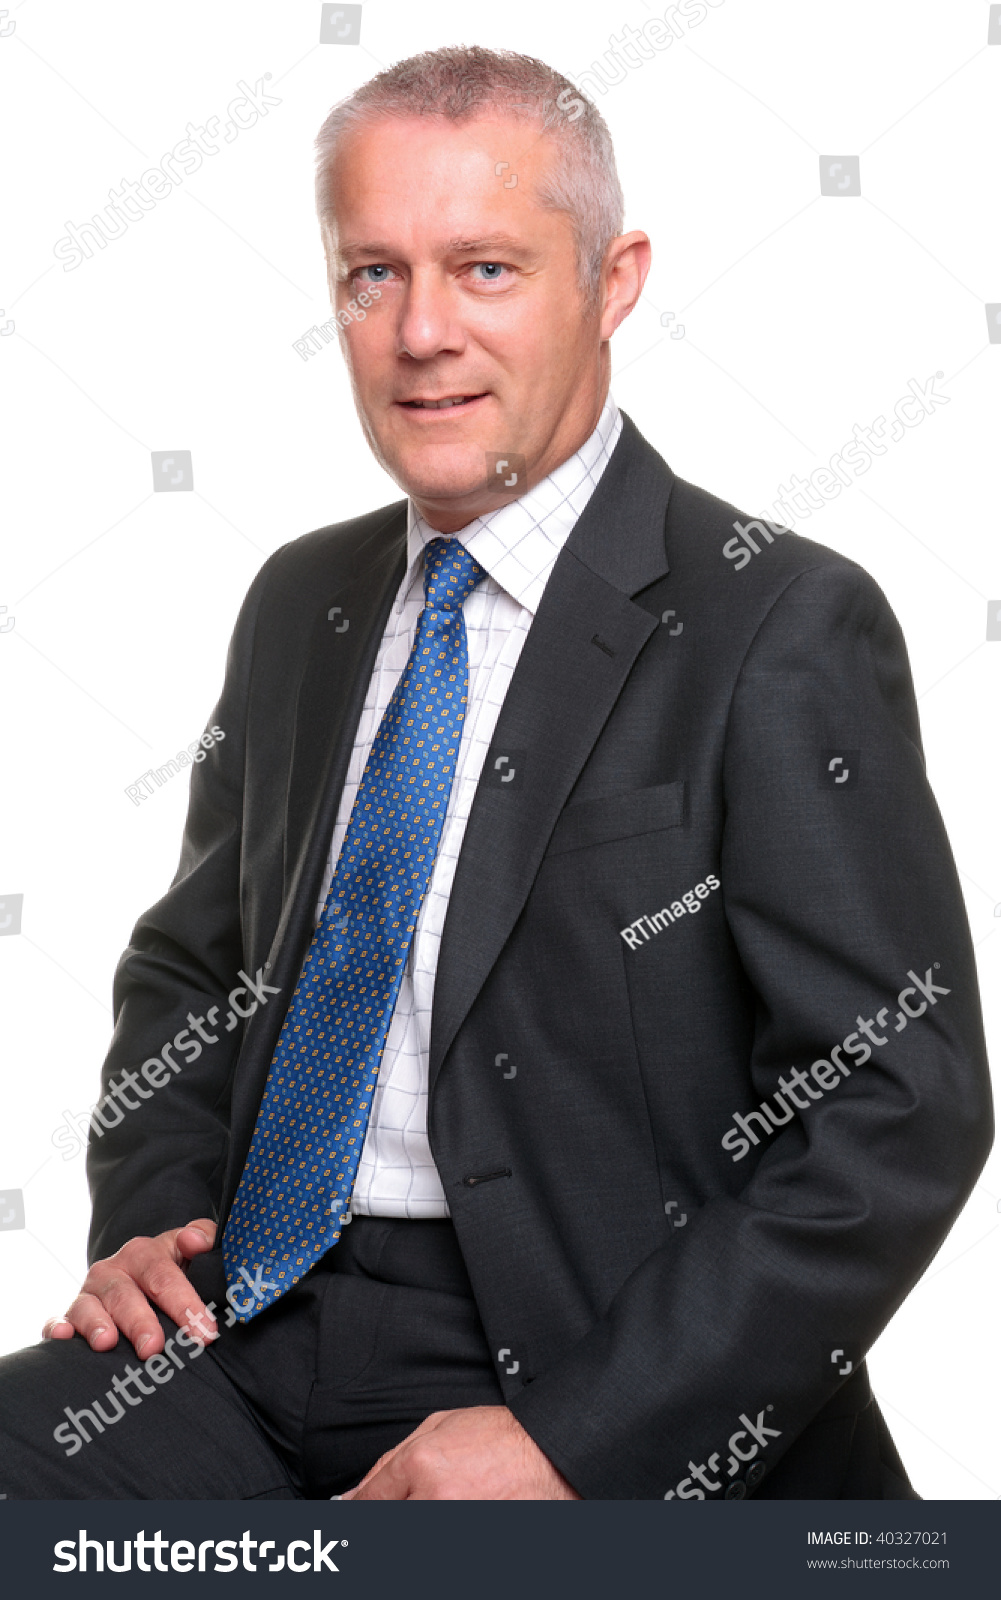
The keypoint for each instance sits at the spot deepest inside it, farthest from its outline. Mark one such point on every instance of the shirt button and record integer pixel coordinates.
(735, 1491)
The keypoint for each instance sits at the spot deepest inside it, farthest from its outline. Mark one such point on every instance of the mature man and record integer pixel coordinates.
(573, 1052)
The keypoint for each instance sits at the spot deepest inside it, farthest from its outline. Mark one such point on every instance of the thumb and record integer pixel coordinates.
(196, 1237)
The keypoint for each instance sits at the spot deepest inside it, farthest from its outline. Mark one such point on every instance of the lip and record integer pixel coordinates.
(429, 412)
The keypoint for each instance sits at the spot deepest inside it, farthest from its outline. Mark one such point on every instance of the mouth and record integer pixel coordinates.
(448, 403)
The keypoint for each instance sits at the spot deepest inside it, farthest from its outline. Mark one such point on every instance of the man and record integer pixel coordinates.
(573, 1052)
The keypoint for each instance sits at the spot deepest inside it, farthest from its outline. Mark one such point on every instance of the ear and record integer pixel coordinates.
(623, 274)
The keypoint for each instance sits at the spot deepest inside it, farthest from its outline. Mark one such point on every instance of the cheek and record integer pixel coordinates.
(533, 339)
(367, 344)
(560, 337)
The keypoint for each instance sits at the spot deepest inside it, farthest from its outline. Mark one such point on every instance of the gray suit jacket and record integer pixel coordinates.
(678, 1315)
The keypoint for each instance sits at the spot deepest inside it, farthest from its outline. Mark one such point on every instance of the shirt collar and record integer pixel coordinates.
(517, 545)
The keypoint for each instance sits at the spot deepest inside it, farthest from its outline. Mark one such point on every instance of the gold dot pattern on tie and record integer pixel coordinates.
(303, 1159)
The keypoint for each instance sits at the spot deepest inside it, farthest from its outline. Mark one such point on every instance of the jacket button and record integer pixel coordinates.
(755, 1474)
(735, 1491)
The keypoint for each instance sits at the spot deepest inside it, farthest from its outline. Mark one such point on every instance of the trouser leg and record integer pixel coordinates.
(78, 1424)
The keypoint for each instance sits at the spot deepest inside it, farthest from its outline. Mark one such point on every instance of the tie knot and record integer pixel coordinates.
(450, 574)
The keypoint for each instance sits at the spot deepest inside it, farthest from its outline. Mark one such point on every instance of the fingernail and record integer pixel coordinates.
(97, 1334)
(143, 1342)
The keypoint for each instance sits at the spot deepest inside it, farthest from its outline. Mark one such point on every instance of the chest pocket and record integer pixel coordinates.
(618, 816)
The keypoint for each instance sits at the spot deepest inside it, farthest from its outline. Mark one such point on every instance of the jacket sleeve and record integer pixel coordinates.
(158, 1143)
(845, 908)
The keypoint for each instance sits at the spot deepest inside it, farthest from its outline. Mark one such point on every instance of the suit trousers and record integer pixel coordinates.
(296, 1404)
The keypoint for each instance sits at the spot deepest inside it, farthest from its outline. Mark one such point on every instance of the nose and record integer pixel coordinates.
(429, 325)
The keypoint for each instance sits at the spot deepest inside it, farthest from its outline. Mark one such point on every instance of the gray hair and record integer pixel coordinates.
(460, 82)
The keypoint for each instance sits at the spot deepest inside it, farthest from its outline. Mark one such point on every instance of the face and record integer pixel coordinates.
(478, 306)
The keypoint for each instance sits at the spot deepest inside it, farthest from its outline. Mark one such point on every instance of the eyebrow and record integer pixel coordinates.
(491, 241)
(460, 247)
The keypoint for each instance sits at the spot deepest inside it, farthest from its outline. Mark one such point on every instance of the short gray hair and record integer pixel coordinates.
(460, 82)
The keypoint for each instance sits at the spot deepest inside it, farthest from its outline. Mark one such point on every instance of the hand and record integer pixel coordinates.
(477, 1453)
(121, 1291)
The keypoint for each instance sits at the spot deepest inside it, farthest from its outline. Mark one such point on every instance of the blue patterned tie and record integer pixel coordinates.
(303, 1159)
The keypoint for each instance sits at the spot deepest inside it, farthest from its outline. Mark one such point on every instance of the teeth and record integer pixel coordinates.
(439, 405)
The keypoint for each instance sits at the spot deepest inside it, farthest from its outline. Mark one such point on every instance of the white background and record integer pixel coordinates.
(803, 316)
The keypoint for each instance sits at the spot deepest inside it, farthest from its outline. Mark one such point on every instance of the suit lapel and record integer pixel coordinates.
(329, 703)
(579, 651)
(332, 690)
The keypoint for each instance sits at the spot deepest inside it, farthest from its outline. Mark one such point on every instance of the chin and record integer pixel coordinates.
(445, 474)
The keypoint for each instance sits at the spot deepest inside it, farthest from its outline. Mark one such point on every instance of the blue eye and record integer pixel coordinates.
(376, 269)
(492, 269)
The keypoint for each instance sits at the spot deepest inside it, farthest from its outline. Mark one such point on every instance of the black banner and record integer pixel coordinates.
(511, 1551)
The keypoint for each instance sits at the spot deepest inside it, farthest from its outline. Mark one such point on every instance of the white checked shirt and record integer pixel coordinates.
(517, 546)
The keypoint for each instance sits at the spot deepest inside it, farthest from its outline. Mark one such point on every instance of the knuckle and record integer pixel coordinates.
(135, 1249)
(159, 1278)
(114, 1290)
(120, 1305)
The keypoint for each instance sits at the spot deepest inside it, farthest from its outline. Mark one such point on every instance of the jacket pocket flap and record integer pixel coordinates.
(619, 816)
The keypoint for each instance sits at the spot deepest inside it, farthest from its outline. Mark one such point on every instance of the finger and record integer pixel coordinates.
(122, 1301)
(358, 1492)
(391, 1478)
(161, 1281)
(122, 1295)
(387, 1455)
(392, 1485)
(89, 1317)
(58, 1328)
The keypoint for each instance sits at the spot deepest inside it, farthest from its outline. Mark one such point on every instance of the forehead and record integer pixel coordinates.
(432, 177)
